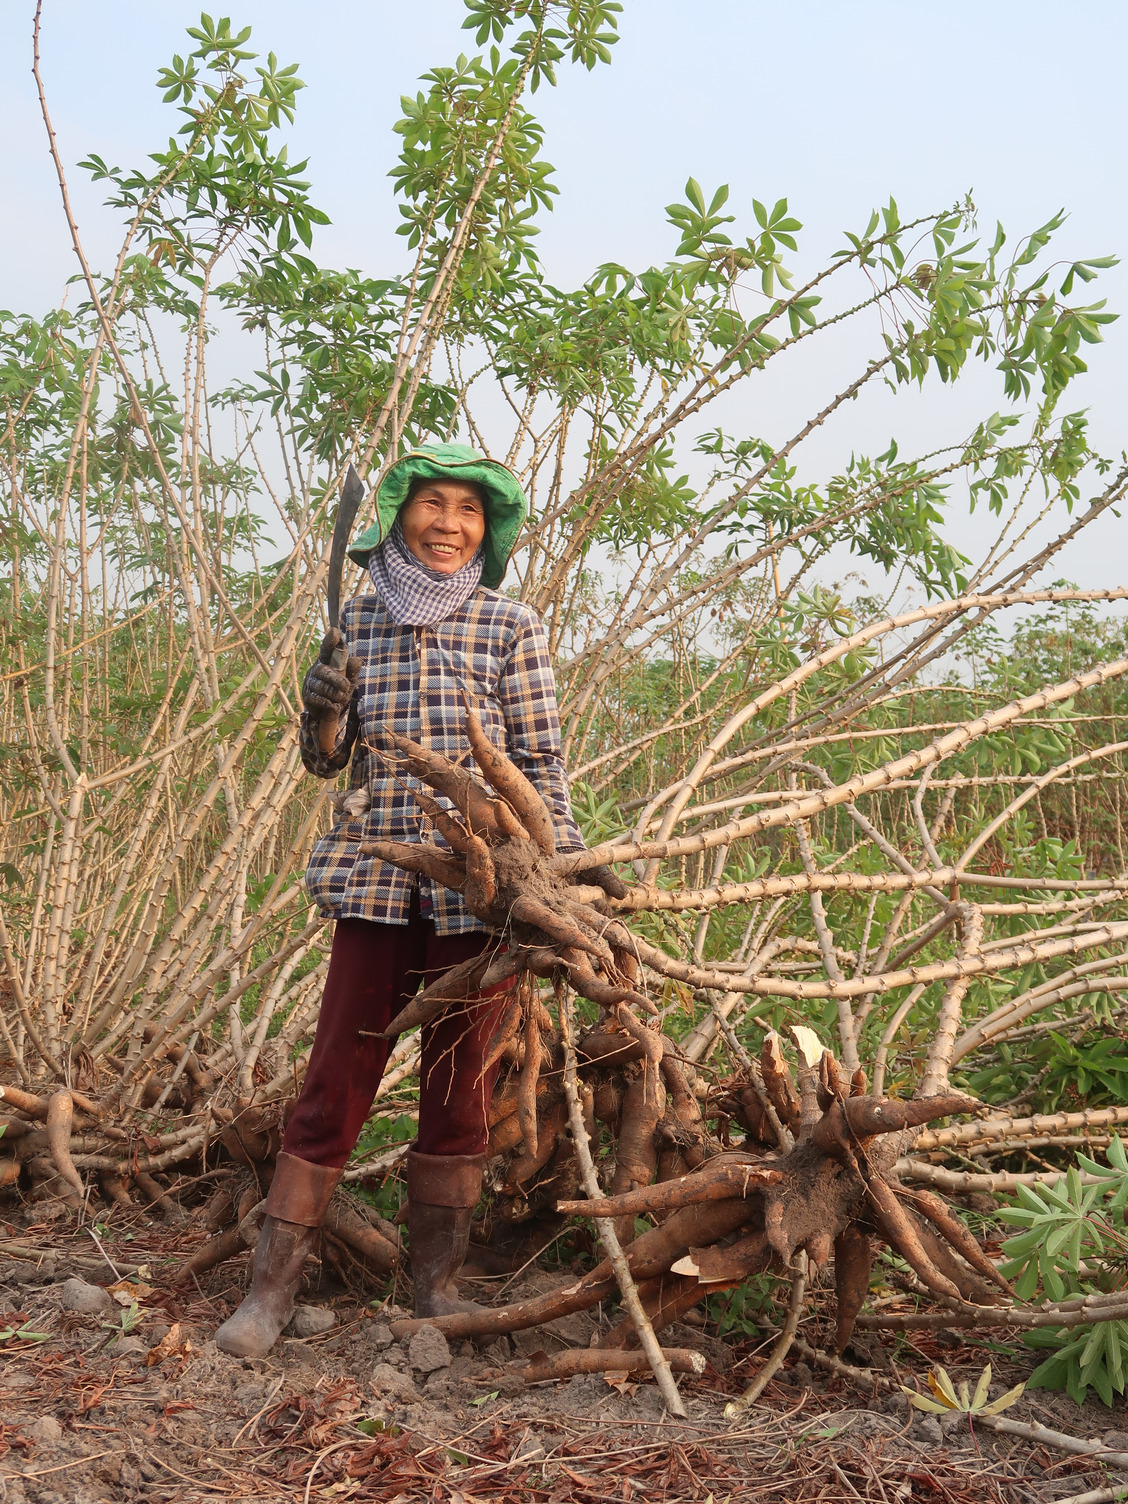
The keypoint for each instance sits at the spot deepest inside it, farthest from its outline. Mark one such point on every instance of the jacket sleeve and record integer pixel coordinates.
(527, 692)
(314, 760)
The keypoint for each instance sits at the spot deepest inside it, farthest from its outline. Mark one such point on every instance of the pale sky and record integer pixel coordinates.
(832, 105)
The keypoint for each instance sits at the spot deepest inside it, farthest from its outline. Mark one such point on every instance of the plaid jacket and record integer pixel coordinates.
(410, 680)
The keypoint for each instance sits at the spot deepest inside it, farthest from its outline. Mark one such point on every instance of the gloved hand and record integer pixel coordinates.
(603, 877)
(329, 685)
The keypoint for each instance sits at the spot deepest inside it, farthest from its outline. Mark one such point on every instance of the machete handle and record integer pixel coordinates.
(327, 730)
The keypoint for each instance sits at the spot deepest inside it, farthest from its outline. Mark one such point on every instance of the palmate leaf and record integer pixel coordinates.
(965, 1403)
(1066, 1224)
(1085, 1358)
(1114, 1174)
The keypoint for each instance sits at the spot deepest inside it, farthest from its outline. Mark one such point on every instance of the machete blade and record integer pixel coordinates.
(352, 494)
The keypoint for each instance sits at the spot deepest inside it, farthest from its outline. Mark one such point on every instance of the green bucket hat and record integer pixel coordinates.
(506, 507)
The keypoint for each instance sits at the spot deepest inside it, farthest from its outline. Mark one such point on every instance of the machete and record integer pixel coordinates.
(352, 494)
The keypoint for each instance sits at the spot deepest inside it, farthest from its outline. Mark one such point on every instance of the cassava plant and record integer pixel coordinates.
(882, 828)
(1072, 1249)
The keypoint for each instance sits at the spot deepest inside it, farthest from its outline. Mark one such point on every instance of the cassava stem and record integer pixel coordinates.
(547, 1366)
(649, 1342)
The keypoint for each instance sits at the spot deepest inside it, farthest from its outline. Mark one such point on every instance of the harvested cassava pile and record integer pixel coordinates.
(614, 1119)
(814, 1181)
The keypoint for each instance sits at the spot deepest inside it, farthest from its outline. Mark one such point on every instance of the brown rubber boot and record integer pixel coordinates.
(294, 1207)
(442, 1192)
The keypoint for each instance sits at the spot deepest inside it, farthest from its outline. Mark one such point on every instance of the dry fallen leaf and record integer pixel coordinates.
(167, 1346)
(125, 1291)
(947, 1398)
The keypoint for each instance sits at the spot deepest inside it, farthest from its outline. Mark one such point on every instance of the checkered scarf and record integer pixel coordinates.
(414, 595)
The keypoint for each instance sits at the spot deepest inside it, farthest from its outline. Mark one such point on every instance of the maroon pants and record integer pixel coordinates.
(374, 971)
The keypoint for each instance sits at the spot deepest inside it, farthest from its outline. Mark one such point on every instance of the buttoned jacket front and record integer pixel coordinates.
(411, 681)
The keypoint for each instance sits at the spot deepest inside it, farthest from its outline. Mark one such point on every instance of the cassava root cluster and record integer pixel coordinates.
(814, 1174)
(499, 842)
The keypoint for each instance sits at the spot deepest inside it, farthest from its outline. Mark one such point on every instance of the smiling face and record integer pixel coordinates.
(444, 524)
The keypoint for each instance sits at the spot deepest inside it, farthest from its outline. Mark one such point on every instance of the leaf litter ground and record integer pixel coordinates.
(137, 1404)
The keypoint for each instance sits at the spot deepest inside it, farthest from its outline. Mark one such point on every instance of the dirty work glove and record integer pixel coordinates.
(603, 877)
(329, 685)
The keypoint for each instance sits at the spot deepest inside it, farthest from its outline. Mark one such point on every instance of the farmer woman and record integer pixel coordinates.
(432, 628)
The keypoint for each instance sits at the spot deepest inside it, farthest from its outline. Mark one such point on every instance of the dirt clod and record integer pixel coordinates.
(389, 1381)
(927, 1429)
(380, 1336)
(87, 1300)
(310, 1321)
(428, 1350)
(45, 1430)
